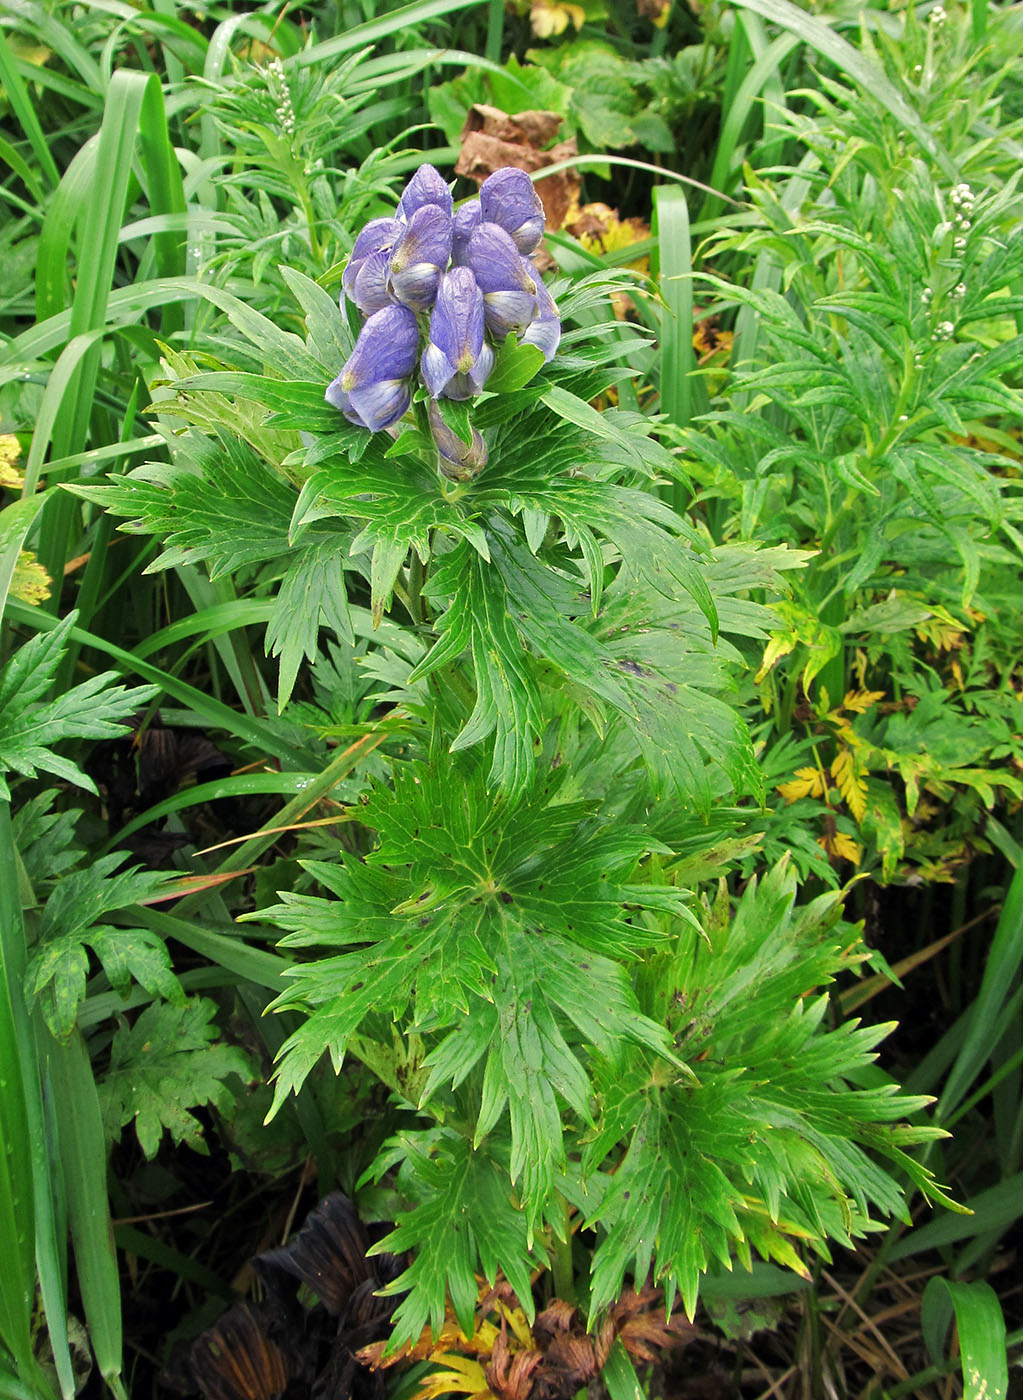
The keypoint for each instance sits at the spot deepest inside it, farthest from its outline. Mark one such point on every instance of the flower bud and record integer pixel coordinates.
(459, 461)
(507, 281)
(457, 360)
(508, 198)
(419, 257)
(373, 389)
(426, 187)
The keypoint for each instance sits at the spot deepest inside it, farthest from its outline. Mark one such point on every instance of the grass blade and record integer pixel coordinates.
(58, 36)
(25, 1084)
(53, 283)
(21, 104)
(366, 35)
(735, 118)
(681, 395)
(234, 954)
(858, 66)
(994, 1209)
(241, 785)
(17, 1227)
(84, 1155)
(1000, 973)
(981, 1328)
(619, 1375)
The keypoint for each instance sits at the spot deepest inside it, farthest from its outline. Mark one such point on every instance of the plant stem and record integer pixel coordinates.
(561, 1258)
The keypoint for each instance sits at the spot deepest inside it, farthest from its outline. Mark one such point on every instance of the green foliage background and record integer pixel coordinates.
(554, 801)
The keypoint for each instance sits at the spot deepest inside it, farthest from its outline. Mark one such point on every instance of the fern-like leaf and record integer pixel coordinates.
(166, 1063)
(30, 726)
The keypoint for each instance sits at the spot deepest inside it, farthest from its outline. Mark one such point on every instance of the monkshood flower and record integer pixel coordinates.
(419, 257)
(457, 360)
(508, 199)
(426, 187)
(379, 236)
(465, 223)
(470, 273)
(369, 291)
(374, 388)
(506, 279)
(544, 331)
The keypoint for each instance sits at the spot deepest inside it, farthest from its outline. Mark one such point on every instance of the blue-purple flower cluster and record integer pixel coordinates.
(465, 279)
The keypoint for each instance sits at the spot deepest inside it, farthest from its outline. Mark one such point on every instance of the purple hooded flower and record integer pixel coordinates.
(419, 257)
(459, 461)
(374, 388)
(544, 331)
(507, 198)
(457, 360)
(466, 222)
(507, 280)
(425, 187)
(369, 290)
(379, 236)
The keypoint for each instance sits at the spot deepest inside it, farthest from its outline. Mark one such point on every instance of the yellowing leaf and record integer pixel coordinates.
(805, 628)
(943, 633)
(770, 1237)
(600, 230)
(838, 844)
(808, 782)
(779, 645)
(10, 450)
(860, 701)
(459, 1375)
(550, 17)
(519, 1325)
(428, 1348)
(30, 583)
(657, 11)
(851, 784)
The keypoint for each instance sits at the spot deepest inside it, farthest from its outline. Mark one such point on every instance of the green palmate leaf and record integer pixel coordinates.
(330, 336)
(29, 726)
(166, 1063)
(575, 410)
(490, 924)
(59, 965)
(531, 1068)
(219, 504)
(663, 653)
(649, 656)
(463, 1220)
(741, 1009)
(495, 625)
(312, 595)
